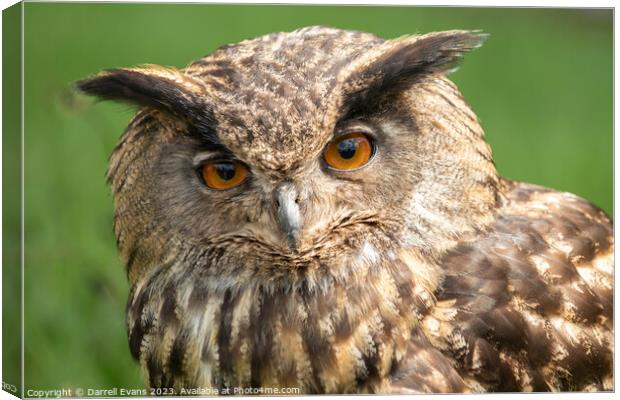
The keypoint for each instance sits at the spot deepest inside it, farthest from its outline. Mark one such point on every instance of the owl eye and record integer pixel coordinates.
(349, 152)
(222, 175)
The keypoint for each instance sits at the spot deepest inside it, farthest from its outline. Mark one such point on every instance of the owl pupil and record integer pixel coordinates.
(226, 171)
(347, 148)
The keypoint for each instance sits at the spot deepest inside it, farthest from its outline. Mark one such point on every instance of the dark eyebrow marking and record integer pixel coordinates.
(407, 60)
(203, 128)
(150, 87)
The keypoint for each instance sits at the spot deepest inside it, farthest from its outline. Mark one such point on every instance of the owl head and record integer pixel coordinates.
(281, 155)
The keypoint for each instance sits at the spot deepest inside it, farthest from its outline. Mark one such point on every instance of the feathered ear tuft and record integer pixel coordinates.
(165, 89)
(404, 59)
(433, 52)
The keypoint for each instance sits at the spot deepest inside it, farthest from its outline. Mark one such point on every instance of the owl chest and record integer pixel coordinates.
(346, 339)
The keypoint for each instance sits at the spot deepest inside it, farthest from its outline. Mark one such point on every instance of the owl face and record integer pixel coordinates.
(348, 175)
(299, 148)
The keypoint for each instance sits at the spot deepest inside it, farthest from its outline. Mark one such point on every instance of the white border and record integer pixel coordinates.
(475, 3)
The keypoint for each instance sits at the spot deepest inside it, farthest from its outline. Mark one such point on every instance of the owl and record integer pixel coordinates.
(318, 212)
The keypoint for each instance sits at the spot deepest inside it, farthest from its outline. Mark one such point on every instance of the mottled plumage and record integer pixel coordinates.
(422, 271)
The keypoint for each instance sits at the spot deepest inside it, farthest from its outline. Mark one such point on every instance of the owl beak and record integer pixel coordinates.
(289, 218)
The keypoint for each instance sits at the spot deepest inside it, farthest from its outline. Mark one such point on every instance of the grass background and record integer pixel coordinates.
(541, 85)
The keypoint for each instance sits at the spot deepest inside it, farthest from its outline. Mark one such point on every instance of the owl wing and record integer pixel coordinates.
(527, 307)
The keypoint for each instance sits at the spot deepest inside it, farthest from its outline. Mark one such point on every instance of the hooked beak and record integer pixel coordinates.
(287, 206)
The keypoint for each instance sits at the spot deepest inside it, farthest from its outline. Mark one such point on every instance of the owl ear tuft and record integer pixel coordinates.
(404, 59)
(166, 89)
(433, 52)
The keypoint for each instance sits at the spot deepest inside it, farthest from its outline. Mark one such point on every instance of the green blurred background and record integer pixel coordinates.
(541, 85)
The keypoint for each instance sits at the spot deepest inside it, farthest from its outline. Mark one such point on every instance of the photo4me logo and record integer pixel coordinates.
(9, 388)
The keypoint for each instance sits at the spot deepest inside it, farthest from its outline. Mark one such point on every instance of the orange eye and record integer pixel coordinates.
(348, 152)
(223, 175)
